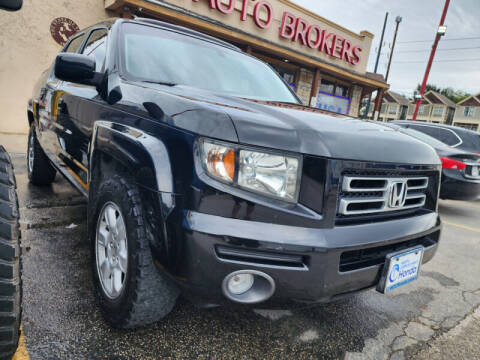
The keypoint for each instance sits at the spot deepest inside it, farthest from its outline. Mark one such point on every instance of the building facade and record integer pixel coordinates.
(435, 108)
(27, 48)
(324, 62)
(394, 107)
(467, 113)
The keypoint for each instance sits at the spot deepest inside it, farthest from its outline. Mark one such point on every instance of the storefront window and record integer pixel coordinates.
(341, 90)
(327, 86)
(384, 107)
(333, 97)
(289, 76)
(334, 103)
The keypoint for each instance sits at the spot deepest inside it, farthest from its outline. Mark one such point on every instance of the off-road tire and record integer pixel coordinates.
(148, 295)
(10, 260)
(41, 172)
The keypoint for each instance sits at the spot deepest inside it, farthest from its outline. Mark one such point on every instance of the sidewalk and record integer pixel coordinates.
(14, 143)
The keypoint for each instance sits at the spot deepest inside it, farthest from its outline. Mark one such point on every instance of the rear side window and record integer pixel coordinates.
(444, 135)
(96, 47)
(74, 44)
(449, 137)
(432, 131)
(471, 142)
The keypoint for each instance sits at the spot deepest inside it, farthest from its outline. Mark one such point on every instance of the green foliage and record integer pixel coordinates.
(454, 95)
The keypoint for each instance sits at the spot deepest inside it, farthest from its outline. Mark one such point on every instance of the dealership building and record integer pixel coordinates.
(323, 62)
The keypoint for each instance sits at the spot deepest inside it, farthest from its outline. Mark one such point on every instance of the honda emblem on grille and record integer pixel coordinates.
(397, 194)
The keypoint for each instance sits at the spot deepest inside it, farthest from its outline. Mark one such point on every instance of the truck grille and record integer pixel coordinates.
(362, 195)
(363, 258)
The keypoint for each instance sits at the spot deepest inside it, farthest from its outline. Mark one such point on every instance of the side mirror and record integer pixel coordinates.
(77, 68)
(11, 5)
(74, 68)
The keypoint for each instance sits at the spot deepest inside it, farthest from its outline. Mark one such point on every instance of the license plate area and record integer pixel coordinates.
(475, 171)
(400, 269)
(472, 171)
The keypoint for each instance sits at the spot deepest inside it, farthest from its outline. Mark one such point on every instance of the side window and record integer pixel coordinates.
(96, 47)
(74, 44)
(448, 137)
(429, 130)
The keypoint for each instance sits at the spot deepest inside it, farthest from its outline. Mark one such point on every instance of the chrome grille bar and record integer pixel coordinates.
(367, 195)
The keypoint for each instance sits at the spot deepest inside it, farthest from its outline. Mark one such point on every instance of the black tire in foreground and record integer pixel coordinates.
(40, 171)
(10, 260)
(130, 289)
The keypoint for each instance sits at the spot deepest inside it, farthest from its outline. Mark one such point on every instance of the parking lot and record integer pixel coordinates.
(61, 319)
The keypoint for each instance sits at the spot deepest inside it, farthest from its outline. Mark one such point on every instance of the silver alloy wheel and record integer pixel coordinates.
(111, 250)
(31, 153)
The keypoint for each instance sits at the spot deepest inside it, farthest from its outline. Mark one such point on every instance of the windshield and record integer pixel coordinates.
(423, 137)
(156, 55)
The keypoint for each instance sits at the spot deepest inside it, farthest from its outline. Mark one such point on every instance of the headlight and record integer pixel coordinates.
(219, 161)
(271, 174)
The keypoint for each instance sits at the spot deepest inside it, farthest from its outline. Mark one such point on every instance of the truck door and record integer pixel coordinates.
(51, 130)
(78, 108)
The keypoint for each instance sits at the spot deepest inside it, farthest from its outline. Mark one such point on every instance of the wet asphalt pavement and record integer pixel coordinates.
(62, 321)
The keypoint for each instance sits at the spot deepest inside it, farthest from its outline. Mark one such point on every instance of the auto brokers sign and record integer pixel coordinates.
(294, 28)
(276, 22)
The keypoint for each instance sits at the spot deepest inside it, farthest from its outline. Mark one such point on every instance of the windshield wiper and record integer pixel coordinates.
(166, 83)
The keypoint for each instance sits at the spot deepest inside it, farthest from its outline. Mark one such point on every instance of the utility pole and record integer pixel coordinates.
(376, 63)
(440, 32)
(378, 102)
(398, 20)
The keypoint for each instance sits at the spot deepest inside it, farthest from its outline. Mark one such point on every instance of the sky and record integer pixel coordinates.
(420, 20)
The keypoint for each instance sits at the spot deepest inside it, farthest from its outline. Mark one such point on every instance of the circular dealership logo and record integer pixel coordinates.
(394, 273)
(63, 29)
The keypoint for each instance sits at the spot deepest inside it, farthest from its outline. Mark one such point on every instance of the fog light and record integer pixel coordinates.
(240, 283)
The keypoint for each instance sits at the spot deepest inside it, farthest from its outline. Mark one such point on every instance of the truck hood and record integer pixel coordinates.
(290, 127)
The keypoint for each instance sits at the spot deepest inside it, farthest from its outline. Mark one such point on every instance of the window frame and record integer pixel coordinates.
(469, 111)
(89, 33)
(391, 107)
(69, 42)
(438, 107)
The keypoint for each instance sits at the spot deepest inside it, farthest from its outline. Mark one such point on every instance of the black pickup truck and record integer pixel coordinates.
(205, 175)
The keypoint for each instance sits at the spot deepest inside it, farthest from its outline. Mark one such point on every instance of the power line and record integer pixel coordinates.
(450, 49)
(452, 39)
(424, 50)
(436, 61)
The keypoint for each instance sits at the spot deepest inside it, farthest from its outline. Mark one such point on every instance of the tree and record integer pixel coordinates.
(454, 95)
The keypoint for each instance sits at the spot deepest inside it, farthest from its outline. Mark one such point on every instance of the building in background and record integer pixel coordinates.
(324, 62)
(27, 48)
(467, 113)
(435, 108)
(394, 107)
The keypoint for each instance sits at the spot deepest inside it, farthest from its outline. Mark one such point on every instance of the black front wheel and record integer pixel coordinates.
(40, 170)
(130, 289)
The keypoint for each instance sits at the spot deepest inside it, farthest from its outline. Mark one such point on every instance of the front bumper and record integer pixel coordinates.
(456, 187)
(321, 278)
